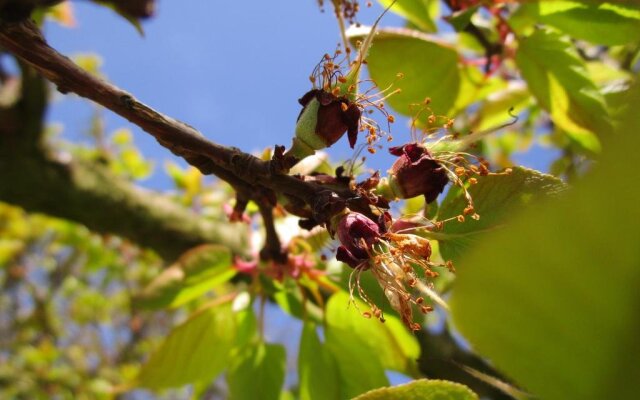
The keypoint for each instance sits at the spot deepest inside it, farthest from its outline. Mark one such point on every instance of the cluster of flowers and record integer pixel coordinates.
(371, 241)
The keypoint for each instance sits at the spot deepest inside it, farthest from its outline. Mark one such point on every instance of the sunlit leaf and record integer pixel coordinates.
(553, 299)
(429, 68)
(495, 198)
(498, 107)
(559, 81)
(195, 273)
(197, 350)
(422, 390)
(257, 372)
(316, 368)
(461, 19)
(608, 23)
(390, 342)
(418, 12)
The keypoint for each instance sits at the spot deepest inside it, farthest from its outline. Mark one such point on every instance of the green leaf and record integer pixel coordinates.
(289, 298)
(494, 111)
(390, 342)
(257, 372)
(495, 198)
(316, 368)
(554, 300)
(418, 12)
(559, 82)
(422, 389)
(247, 327)
(430, 69)
(461, 19)
(197, 350)
(195, 273)
(602, 23)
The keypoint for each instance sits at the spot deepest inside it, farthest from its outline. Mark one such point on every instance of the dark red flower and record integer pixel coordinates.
(416, 173)
(357, 234)
(335, 116)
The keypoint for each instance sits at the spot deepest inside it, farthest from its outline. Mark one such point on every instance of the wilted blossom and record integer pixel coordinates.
(415, 173)
(357, 234)
(392, 258)
(325, 118)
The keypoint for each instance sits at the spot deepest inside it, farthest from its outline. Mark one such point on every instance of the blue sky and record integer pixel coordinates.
(235, 72)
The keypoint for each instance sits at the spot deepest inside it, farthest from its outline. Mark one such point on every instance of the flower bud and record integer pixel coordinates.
(416, 173)
(357, 234)
(324, 119)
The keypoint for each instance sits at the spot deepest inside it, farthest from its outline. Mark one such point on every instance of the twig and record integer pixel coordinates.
(490, 49)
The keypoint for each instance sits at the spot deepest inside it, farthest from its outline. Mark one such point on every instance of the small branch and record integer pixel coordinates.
(272, 249)
(490, 49)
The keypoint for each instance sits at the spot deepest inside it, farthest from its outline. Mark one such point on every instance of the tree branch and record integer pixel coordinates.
(25, 41)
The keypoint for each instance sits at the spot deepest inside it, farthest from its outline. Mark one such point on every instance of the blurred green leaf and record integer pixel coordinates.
(316, 368)
(559, 310)
(474, 86)
(390, 342)
(605, 23)
(289, 298)
(498, 106)
(197, 350)
(195, 273)
(422, 389)
(587, 142)
(495, 198)
(257, 372)
(429, 68)
(559, 81)
(418, 12)
(247, 327)
(461, 19)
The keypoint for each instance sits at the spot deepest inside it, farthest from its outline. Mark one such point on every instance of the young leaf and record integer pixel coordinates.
(257, 372)
(195, 273)
(495, 198)
(418, 12)
(316, 368)
(494, 111)
(197, 350)
(559, 82)
(389, 342)
(430, 69)
(606, 23)
(559, 310)
(422, 389)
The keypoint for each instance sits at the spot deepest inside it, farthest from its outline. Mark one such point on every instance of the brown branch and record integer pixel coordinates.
(25, 41)
(272, 249)
(490, 49)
